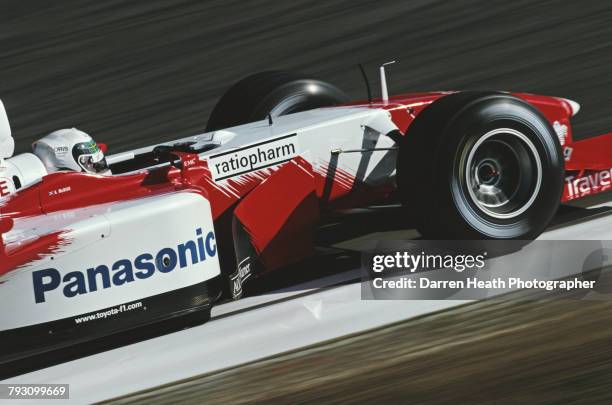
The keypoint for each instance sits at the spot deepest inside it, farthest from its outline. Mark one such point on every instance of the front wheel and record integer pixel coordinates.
(481, 166)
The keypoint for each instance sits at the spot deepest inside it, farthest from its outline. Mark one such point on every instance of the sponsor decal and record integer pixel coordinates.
(253, 157)
(61, 150)
(567, 153)
(110, 313)
(593, 182)
(6, 187)
(561, 130)
(123, 271)
(240, 276)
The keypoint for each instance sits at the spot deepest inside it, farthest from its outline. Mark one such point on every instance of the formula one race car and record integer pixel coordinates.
(84, 255)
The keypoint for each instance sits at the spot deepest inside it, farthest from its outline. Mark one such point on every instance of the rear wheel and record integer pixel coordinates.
(480, 166)
(274, 93)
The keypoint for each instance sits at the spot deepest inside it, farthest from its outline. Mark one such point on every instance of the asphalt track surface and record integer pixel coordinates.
(134, 73)
(458, 356)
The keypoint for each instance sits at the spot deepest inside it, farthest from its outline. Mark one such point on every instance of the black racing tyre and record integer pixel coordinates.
(478, 165)
(274, 93)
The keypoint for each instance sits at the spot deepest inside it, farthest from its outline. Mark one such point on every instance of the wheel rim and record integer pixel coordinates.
(503, 173)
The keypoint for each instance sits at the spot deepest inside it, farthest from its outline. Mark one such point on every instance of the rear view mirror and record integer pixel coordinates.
(7, 143)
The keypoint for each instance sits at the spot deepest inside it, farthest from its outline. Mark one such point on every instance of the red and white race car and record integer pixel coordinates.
(84, 255)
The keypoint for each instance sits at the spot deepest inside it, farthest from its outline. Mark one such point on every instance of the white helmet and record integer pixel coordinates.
(71, 149)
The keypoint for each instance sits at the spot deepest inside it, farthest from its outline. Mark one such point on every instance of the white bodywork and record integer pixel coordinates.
(105, 235)
(319, 133)
(26, 167)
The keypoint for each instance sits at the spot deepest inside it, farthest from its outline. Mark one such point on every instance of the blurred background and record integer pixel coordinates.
(136, 72)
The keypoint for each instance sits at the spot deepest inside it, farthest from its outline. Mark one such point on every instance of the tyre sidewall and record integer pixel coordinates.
(472, 122)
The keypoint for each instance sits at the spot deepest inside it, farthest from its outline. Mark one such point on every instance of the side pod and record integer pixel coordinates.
(274, 225)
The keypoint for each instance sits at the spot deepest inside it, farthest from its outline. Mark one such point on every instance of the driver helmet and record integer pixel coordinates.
(71, 149)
